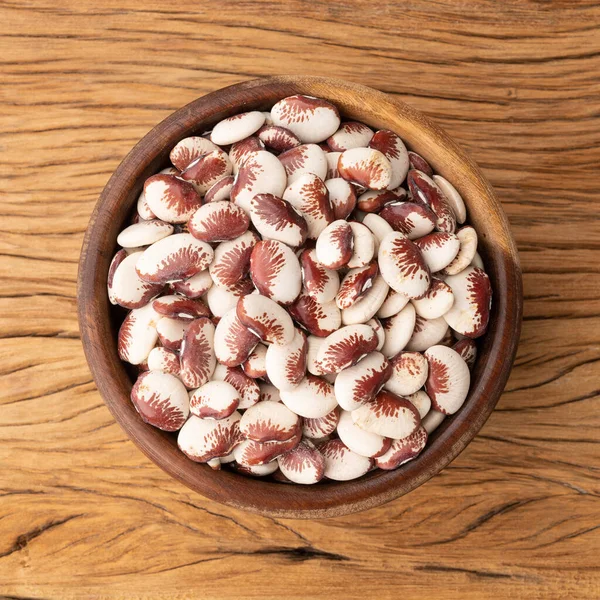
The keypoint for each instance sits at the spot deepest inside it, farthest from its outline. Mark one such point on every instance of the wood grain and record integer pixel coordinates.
(84, 515)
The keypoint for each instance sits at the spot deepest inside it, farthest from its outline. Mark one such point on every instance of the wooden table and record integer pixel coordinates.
(84, 515)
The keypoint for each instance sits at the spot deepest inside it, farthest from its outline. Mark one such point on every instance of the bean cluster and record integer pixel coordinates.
(304, 296)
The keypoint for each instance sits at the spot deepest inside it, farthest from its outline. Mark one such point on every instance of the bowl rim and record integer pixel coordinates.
(257, 495)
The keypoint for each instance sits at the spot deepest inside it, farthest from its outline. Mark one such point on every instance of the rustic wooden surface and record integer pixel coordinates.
(84, 515)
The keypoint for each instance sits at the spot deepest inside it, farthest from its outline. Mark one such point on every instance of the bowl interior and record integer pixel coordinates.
(99, 321)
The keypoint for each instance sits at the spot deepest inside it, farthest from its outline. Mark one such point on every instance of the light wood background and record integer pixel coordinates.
(84, 515)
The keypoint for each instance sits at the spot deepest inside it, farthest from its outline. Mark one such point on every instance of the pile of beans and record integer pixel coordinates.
(302, 304)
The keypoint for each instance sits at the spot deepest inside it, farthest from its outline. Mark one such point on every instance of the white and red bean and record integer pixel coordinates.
(301, 303)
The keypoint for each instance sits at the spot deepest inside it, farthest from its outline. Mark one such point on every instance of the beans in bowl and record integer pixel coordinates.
(304, 296)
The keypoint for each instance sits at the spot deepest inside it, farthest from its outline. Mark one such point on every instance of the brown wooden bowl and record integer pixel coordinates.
(99, 323)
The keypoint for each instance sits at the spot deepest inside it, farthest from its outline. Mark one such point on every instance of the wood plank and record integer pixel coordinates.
(84, 514)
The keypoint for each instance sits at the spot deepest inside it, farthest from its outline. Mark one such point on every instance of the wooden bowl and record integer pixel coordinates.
(99, 322)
